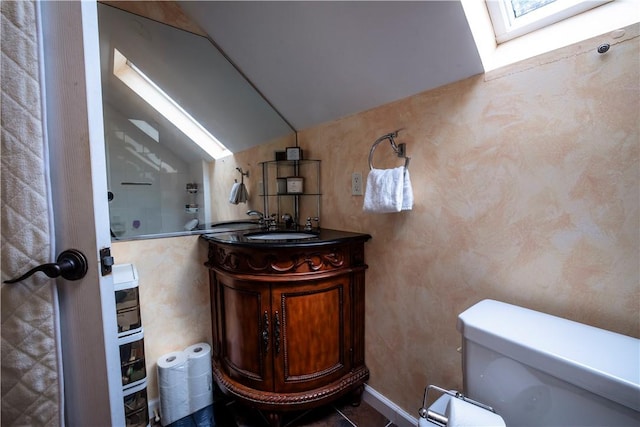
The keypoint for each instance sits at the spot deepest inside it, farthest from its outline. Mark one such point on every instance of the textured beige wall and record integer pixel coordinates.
(527, 191)
(174, 295)
(224, 173)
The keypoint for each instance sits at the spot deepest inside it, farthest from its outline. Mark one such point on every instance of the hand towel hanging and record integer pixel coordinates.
(239, 193)
(233, 194)
(407, 191)
(388, 190)
(243, 194)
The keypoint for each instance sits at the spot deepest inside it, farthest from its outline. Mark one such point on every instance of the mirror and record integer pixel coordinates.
(158, 177)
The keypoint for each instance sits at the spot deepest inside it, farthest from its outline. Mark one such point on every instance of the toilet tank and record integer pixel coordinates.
(535, 369)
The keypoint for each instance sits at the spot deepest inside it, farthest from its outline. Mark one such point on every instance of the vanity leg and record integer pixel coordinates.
(356, 395)
(275, 419)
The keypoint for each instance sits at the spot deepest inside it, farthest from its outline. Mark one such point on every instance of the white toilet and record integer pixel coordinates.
(535, 369)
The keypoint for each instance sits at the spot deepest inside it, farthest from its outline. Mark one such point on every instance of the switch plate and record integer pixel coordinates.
(356, 184)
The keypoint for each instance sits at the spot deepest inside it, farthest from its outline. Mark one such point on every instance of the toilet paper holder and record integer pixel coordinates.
(440, 419)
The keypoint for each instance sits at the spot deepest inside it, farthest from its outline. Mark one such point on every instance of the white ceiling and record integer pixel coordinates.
(318, 61)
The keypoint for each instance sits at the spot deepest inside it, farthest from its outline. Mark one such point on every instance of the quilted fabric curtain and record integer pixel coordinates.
(31, 373)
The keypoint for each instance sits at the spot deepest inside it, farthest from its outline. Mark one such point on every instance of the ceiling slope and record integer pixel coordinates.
(323, 60)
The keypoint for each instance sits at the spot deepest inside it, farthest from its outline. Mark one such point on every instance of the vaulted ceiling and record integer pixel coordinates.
(317, 61)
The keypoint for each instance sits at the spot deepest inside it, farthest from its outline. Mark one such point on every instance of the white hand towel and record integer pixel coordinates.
(383, 193)
(407, 192)
(233, 195)
(388, 190)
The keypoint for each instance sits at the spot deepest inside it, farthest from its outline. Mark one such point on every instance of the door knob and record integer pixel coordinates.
(71, 265)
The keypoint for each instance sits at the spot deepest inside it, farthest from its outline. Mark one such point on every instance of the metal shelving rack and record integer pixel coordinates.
(299, 205)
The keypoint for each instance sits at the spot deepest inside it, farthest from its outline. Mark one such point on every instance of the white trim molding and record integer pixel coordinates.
(386, 407)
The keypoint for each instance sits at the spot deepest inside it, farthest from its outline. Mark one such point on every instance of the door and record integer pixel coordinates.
(247, 338)
(93, 392)
(312, 320)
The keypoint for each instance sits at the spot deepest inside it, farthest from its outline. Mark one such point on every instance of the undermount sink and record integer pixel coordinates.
(280, 235)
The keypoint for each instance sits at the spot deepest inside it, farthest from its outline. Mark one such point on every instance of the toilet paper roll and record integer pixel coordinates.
(200, 392)
(173, 386)
(200, 377)
(199, 356)
(172, 368)
(464, 414)
(201, 384)
(199, 401)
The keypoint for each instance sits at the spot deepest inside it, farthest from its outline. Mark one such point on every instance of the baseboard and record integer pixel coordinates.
(386, 407)
(154, 410)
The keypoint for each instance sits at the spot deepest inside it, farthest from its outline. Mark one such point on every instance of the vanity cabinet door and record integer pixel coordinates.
(312, 332)
(245, 331)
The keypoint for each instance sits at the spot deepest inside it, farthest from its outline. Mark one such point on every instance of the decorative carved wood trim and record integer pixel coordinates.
(281, 262)
(287, 401)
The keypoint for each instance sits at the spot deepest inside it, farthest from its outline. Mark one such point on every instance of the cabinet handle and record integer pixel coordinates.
(276, 332)
(265, 332)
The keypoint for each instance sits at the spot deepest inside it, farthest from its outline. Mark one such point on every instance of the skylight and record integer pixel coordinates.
(145, 127)
(137, 81)
(514, 18)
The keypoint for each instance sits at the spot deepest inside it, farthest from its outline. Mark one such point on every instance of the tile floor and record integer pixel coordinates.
(339, 414)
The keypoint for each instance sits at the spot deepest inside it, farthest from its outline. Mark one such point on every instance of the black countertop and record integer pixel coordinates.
(317, 238)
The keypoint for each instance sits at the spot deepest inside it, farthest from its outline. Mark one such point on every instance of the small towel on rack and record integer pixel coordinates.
(243, 194)
(238, 194)
(407, 191)
(388, 190)
(233, 195)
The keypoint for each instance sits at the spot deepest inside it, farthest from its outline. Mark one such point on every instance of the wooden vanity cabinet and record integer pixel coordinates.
(285, 338)
(288, 324)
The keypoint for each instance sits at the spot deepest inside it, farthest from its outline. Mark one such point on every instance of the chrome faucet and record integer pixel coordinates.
(308, 226)
(260, 216)
(272, 223)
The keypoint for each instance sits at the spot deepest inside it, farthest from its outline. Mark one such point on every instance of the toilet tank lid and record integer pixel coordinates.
(601, 361)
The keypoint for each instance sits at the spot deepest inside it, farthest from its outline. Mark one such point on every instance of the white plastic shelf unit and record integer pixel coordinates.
(131, 343)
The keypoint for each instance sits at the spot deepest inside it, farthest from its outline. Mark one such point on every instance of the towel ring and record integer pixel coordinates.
(399, 149)
(242, 175)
